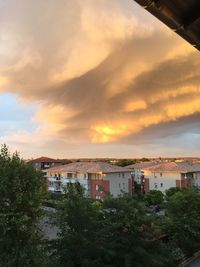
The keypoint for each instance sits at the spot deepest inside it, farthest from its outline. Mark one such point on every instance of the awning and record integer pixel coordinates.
(182, 16)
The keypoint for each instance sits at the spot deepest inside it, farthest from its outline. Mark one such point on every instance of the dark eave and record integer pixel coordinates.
(182, 16)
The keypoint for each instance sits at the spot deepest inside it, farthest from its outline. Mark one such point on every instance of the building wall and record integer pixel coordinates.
(114, 183)
(119, 183)
(162, 181)
(45, 165)
(37, 166)
(130, 186)
(65, 178)
(197, 179)
(138, 176)
(99, 188)
(146, 185)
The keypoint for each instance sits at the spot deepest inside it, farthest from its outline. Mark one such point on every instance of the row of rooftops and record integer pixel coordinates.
(81, 167)
(90, 167)
(182, 167)
(97, 167)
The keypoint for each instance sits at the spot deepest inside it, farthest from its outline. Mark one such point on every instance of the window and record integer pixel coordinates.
(123, 175)
(99, 188)
(69, 175)
(85, 176)
(119, 174)
(97, 197)
(155, 186)
(161, 174)
(119, 185)
(161, 185)
(58, 177)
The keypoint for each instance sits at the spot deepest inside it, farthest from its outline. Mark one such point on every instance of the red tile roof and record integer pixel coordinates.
(142, 165)
(181, 167)
(90, 167)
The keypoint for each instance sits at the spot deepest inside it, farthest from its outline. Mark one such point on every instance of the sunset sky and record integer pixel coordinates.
(95, 78)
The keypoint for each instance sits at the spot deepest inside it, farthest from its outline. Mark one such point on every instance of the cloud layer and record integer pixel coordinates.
(99, 71)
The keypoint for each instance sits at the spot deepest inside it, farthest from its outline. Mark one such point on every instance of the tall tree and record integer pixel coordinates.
(21, 192)
(77, 219)
(183, 226)
(113, 233)
(125, 162)
(129, 236)
(154, 197)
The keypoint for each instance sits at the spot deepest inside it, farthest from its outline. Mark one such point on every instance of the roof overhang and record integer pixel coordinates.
(182, 16)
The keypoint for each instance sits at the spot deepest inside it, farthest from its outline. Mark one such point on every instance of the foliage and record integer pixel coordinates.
(116, 232)
(128, 235)
(21, 192)
(137, 189)
(125, 162)
(77, 219)
(183, 226)
(173, 190)
(154, 197)
(144, 159)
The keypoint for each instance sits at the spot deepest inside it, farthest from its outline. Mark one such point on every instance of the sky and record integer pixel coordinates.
(85, 78)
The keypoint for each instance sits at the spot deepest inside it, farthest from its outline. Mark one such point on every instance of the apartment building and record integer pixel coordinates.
(165, 175)
(98, 178)
(137, 169)
(43, 163)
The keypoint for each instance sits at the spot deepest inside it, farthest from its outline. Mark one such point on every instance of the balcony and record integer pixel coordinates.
(68, 180)
(55, 188)
(54, 179)
(58, 188)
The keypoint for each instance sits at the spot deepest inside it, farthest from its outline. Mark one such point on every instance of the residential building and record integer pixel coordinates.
(165, 175)
(137, 169)
(98, 178)
(43, 163)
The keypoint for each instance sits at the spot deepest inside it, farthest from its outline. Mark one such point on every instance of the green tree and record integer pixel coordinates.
(125, 162)
(154, 197)
(113, 233)
(128, 236)
(173, 190)
(137, 189)
(144, 160)
(78, 221)
(183, 209)
(21, 192)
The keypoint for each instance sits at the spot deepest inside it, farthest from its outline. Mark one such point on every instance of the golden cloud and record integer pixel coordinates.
(102, 74)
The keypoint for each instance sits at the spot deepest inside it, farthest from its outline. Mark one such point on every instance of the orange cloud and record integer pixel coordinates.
(102, 74)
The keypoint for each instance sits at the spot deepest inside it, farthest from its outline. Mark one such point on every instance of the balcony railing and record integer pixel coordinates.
(54, 179)
(58, 188)
(55, 188)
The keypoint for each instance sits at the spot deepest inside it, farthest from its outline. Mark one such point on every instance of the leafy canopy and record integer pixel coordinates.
(115, 233)
(154, 197)
(21, 192)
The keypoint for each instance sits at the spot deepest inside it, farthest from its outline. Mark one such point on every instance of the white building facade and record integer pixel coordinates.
(97, 178)
(170, 174)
